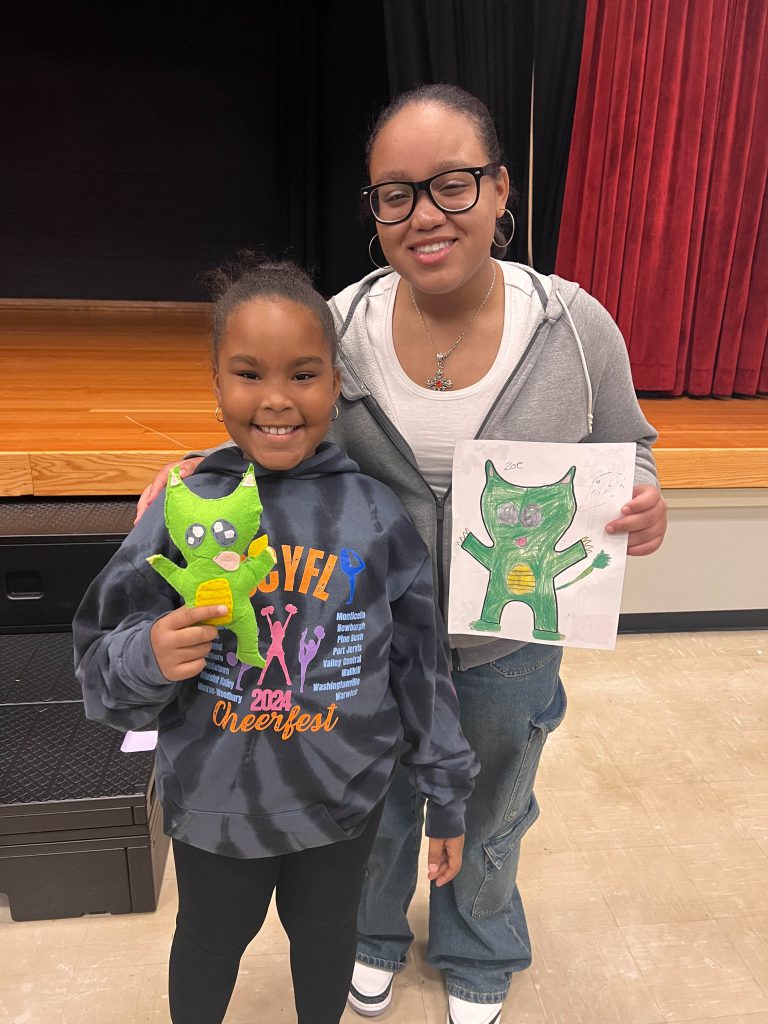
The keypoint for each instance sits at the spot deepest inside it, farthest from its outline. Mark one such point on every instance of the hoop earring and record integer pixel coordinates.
(505, 244)
(335, 412)
(216, 416)
(370, 254)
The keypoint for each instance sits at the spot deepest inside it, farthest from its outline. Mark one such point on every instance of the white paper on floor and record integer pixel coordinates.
(144, 740)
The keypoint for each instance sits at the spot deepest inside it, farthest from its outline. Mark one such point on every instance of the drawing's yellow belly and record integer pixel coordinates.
(216, 592)
(520, 579)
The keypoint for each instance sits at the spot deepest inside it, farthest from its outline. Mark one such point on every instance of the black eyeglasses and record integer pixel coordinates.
(451, 191)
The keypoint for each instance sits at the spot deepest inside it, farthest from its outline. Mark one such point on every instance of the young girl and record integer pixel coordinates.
(273, 777)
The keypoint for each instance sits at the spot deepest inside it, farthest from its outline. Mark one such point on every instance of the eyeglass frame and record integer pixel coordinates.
(424, 186)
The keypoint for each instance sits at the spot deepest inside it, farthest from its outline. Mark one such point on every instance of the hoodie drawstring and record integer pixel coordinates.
(575, 333)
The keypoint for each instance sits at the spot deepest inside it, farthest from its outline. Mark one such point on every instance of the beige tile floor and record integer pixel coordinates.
(646, 878)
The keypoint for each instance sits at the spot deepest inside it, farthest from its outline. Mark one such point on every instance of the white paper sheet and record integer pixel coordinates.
(144, 740)
(530, 556)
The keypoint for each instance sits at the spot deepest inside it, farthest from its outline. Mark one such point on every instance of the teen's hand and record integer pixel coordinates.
(644, 518)
(444, 859)
(181, 640)
(148, 495)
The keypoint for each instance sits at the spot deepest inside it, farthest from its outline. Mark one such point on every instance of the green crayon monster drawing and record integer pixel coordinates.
(213, 534)
(525, 524)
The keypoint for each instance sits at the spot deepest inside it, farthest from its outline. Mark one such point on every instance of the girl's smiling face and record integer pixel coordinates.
(434, 251)
(275, 381)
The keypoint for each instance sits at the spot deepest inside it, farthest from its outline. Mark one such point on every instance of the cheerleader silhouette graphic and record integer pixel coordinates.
(351, 564)
(277, 633)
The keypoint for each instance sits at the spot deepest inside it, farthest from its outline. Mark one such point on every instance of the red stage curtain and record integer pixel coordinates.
(664, 215)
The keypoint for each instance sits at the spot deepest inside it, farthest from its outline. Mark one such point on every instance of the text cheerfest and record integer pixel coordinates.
(226, 717)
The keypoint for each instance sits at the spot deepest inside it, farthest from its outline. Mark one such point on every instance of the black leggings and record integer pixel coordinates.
(222, 905)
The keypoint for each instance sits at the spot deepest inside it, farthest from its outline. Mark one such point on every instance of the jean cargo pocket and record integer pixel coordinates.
(541, 726)
(502, 853)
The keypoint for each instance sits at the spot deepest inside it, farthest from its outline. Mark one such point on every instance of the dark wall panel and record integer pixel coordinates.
(139, 151)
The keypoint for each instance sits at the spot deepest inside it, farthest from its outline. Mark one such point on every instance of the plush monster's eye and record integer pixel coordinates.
(508, 514)
(531, 515)
(193, 538)
(224, 532)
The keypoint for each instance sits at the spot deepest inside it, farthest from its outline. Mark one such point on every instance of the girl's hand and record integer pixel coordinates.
(148, 495)
(444, 859)
(181, 641)
(644, 518)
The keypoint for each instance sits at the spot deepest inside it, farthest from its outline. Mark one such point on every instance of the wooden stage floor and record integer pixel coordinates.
(96, 396)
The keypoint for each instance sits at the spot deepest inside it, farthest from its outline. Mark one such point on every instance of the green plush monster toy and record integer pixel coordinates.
(213, 534)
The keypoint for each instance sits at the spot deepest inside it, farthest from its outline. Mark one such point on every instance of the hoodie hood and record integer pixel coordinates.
(327, 460)
(550, 297)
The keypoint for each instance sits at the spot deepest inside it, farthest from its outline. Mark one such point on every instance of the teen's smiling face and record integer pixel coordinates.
(434, 251)
(275, 381)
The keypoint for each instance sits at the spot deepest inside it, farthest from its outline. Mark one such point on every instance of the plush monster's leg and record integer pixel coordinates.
(247, 632)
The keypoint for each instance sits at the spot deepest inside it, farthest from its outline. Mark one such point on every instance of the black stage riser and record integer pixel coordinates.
(50, 550)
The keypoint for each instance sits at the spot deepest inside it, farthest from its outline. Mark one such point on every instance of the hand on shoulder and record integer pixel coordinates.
(148, 495)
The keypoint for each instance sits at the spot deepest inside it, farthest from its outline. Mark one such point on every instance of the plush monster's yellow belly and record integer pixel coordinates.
(216, 592)
(520, 579)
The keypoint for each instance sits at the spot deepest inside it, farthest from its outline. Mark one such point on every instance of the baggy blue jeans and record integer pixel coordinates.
(478, 934)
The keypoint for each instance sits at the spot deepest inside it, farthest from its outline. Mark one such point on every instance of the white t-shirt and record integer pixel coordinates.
(432, 422)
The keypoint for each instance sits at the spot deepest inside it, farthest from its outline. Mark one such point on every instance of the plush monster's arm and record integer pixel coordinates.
(257, 566)
(575, 553)
(482, 552)
(170, 572)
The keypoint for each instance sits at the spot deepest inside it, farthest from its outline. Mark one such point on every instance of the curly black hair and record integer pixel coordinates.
(252, 276)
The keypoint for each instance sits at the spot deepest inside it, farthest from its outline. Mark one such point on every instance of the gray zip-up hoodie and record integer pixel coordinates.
(572, 383)
(255, 762)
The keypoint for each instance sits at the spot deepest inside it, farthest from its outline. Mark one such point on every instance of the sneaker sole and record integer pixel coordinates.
(370, 1006)
(495, 1020)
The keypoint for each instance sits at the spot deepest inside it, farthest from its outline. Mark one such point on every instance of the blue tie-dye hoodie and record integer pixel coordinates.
(255, 762)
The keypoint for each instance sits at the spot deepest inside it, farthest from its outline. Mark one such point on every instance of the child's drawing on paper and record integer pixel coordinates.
(525, 524)
(542, 517)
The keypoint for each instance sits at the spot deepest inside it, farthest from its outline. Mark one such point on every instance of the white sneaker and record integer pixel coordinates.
(370, 991)
(462, 1012)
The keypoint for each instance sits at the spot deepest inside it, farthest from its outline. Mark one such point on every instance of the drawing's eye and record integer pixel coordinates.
(531, 516)
(508, 514)
(224, 533)
(194, 536)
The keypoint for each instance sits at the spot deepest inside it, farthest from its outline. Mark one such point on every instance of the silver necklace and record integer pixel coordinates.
(440, 382)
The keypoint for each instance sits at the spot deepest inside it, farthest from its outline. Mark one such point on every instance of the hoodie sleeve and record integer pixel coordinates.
(441, 763)
(617, 413)
(114, 661)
